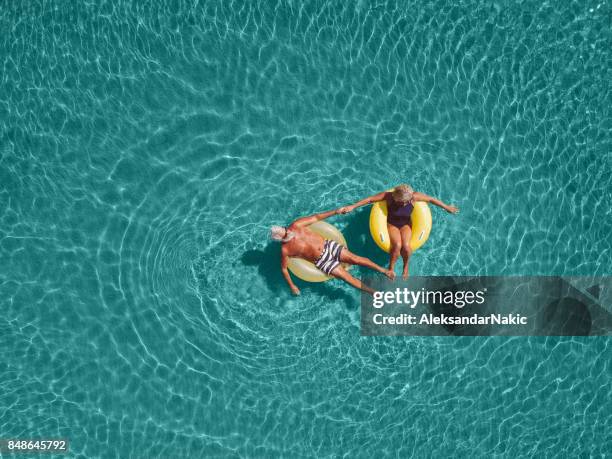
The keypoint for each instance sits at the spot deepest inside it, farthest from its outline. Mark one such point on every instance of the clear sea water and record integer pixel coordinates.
(146, 148)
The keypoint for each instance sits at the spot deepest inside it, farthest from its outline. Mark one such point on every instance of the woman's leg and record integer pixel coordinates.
(396, 244)
(406, 251)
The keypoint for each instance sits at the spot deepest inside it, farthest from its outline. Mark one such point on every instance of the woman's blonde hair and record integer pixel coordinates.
(402, 193)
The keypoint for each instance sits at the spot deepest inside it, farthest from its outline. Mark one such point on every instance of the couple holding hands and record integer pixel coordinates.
(327, 255)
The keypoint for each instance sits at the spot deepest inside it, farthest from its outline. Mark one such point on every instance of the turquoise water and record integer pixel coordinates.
(146, 149)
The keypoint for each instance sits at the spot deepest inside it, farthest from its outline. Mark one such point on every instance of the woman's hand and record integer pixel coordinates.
(452, 209)
(295, 290)
(363, 202)
(345, 209)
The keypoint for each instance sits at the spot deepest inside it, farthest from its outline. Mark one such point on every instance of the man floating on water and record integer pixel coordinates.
(299, 241)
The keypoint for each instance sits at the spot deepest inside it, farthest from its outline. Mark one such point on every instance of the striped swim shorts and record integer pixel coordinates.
(330, 258)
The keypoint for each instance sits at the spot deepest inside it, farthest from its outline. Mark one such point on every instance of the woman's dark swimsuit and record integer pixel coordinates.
(398, 215)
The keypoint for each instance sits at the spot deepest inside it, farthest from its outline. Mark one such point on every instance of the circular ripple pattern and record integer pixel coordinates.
(146, 149)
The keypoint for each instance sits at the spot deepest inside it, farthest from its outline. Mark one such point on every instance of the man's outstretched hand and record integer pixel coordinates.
(345, 209)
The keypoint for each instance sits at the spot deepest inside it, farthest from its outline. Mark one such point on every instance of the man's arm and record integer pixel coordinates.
(363, 202)
(292, 286)
(436, 202)
(305, 221)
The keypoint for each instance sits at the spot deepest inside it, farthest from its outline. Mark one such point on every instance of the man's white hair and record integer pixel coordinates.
(279, 233)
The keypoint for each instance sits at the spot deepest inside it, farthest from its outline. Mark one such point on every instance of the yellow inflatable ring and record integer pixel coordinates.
(306, 270)
(421, 225)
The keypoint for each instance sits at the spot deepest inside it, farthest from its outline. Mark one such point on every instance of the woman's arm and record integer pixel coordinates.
(436, 202)
(363, 202)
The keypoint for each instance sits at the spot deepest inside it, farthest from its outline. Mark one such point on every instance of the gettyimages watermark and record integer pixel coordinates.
(488, 306)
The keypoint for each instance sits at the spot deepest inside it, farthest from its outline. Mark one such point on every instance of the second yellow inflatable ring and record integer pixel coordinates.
(421, 225)
(306, 270)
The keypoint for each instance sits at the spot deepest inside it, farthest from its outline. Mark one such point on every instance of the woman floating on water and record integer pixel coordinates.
(400, 202)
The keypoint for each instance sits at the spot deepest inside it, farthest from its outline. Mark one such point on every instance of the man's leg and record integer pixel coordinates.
(396, 244)
(346, 256)
(406, 232)
(341, 273)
